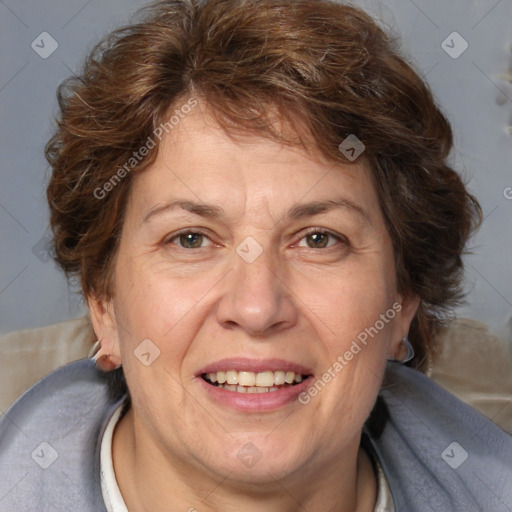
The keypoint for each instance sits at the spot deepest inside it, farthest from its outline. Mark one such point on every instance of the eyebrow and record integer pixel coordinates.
(203, 210)
(317, 207)
(296, 212)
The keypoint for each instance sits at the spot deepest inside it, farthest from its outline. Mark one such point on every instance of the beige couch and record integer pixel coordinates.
(27, 356)
(472, 363)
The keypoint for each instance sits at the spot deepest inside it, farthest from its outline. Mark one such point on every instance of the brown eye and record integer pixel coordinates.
(318, 240)
(190, 240)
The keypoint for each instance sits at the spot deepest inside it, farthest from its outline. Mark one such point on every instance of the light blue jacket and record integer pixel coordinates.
(438, 454)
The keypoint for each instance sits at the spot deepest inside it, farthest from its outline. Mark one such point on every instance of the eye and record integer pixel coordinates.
(319, 240)
(190, 240)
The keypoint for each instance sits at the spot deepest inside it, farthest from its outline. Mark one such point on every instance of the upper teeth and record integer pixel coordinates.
(261, 379)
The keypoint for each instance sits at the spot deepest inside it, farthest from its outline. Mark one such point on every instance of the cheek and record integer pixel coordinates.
(344, 303)
(344, 393)
(353, 317)
(152, 302)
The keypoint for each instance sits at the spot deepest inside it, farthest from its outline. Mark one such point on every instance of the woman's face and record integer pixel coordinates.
(249, 260)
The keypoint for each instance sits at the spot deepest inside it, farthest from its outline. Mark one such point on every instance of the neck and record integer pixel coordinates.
(150, 481)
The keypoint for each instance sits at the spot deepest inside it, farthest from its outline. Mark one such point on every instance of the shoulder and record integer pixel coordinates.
(49, 442)
(439, 453)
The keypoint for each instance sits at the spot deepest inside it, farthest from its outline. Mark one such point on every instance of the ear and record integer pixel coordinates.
(406, 309)
(105, 326)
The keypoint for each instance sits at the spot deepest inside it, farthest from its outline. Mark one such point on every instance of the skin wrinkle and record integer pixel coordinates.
(272, 81)
(274, 84)
(293, 302)
(217, 213)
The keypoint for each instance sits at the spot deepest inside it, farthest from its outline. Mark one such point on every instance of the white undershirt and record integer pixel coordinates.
(114, 500)
(111, 494)
(384, 497)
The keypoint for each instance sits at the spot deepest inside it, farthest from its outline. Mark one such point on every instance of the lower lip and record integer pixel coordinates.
(255, 402)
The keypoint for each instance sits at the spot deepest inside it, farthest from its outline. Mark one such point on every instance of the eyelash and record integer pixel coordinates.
(187, 232)
(310, 231)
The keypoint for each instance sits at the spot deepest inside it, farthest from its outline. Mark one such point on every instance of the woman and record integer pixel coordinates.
(256, 198)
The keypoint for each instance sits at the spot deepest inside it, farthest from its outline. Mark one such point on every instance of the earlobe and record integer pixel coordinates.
(103, 360)
(400, 348)
(405, 352)
(106, 353)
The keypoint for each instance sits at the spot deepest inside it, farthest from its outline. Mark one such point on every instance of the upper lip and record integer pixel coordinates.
(254, 365)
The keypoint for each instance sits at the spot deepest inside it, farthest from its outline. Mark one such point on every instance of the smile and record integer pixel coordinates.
(254, 385)
(252, 382)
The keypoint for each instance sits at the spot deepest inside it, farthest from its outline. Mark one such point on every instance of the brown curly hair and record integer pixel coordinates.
(321, 65)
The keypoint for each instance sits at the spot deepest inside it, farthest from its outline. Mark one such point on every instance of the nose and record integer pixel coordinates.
(256, 298)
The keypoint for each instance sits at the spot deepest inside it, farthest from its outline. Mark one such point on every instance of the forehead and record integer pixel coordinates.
(198, 161)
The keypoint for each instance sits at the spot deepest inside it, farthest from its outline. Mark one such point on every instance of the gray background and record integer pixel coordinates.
(470, 88)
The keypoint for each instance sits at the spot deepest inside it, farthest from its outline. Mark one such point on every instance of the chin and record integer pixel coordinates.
(259, 461)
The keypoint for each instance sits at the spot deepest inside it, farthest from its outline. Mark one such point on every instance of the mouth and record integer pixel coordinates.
(254, 385)
(239, 381)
